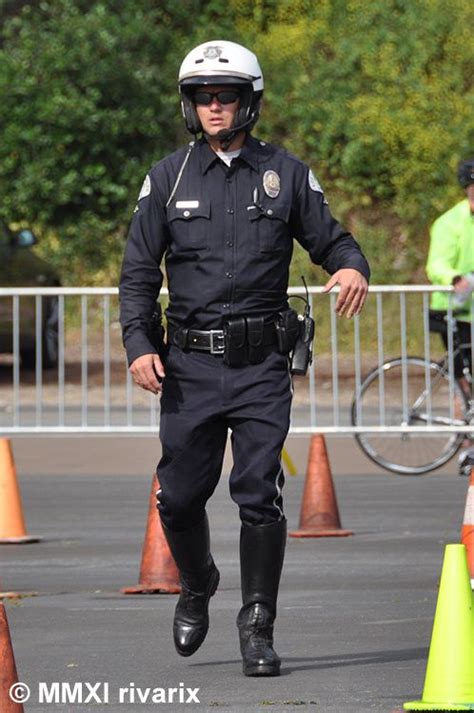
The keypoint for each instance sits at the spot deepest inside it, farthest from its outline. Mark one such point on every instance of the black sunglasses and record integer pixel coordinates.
(225, 96)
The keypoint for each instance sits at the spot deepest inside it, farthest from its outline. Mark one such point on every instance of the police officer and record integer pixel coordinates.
(223, 213)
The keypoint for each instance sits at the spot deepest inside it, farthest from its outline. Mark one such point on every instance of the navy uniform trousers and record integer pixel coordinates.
(202, 398)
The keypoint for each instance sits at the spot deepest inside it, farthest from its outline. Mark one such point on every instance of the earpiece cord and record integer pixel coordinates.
(304, 299)
(183, 165)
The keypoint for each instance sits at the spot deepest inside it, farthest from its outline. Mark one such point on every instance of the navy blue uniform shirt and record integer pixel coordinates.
(227, 238)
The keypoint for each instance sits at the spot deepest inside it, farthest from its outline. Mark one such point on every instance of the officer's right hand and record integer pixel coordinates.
(148, 372)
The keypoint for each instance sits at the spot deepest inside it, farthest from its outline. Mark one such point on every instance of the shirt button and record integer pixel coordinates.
(228, 274)
(186, 213)
(229, 244)
(230, 211)
(269, 211)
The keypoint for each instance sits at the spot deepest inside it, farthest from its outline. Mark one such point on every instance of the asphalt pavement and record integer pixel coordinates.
(355, 614)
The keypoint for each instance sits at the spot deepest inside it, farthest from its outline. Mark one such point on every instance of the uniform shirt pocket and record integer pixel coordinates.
(188, 222)
(269, 227)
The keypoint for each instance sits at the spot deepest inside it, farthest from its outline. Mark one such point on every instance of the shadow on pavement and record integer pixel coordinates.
(291, 664)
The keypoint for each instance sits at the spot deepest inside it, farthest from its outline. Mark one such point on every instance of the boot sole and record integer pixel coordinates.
(261, 670)
(212, 591)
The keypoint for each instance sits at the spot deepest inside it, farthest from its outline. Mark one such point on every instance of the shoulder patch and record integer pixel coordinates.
(146, 188)
(314, 184)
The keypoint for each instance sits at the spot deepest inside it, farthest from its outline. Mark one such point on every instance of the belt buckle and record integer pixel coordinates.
(216, 334)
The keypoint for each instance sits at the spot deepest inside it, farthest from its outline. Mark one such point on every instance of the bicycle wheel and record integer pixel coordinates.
(415, 393)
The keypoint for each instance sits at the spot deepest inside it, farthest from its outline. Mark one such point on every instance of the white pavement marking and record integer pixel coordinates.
(109, 609)
(399, 621)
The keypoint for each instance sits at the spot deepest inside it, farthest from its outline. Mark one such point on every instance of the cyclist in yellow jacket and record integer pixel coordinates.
(451, 262)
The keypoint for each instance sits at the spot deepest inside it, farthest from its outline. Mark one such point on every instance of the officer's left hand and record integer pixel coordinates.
(354, 288)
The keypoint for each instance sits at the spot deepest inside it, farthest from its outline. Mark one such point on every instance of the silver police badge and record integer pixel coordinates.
(271, 183)
(212, 52)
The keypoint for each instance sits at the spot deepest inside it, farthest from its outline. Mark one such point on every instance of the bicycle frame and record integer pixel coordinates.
(461, 350)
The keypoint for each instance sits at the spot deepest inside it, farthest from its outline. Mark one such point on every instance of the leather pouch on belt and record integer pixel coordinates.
(288, 329)
(255, 343)
(235, 341)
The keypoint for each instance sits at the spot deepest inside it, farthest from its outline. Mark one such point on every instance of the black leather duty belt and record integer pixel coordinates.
(212, 340)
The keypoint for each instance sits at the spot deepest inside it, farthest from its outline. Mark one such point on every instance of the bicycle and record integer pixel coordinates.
(410, 391)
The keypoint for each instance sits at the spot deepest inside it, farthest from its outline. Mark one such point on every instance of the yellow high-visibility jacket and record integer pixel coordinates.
(451, 253)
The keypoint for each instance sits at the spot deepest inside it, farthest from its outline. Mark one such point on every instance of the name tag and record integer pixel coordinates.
(187, 204)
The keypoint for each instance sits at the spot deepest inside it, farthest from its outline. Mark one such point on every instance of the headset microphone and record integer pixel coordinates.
(226, 136)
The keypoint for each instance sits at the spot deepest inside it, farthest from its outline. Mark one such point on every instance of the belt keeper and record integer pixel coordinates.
(180, 337)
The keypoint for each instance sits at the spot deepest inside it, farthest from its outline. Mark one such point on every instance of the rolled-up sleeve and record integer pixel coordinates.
(141, 277)
(314, 227)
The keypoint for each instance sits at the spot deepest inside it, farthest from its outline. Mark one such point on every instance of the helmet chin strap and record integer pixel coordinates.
(226, 136)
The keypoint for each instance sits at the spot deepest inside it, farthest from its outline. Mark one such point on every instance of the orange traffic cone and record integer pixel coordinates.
(12, 523)
(8, 674)
(158, 571)
(467, 531)
(319, 515)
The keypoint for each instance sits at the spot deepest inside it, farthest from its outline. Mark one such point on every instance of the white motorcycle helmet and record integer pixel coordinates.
(221, 62)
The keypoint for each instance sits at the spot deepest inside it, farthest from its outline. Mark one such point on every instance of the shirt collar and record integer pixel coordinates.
(250, 152)
(208, 156)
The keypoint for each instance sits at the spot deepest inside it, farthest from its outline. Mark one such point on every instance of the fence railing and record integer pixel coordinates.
(63, 368)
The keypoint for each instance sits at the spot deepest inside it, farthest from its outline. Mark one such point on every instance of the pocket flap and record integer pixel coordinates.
(187, 210)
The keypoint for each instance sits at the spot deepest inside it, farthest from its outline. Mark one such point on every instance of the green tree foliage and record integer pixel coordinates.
(86, 108)
(376, 96)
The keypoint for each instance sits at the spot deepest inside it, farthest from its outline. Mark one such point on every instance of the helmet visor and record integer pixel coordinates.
(203, 80)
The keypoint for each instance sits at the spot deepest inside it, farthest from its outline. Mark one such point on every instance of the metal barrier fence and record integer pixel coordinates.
(89, 390)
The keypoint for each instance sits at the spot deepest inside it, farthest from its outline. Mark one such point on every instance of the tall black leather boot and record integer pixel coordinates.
(199, 579)
(262, 548)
